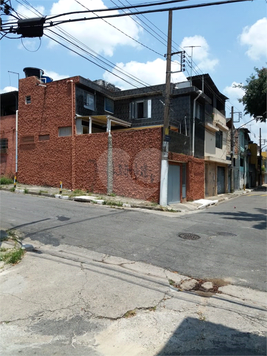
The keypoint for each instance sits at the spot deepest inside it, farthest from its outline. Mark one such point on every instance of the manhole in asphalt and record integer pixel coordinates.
(225, 233)
(188, 236)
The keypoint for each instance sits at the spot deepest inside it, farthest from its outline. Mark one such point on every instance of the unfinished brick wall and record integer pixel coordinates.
(195, 183)
(137, 163)
(44, 157)
(8, 156)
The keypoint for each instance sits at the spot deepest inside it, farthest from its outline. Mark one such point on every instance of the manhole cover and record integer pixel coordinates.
(188, 236)
(225, 233)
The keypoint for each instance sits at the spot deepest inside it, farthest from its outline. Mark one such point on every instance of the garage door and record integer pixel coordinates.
(174, 184)
(220, 180)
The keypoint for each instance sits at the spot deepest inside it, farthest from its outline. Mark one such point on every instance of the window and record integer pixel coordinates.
(219, 139)
(89, 101)
(27, 139)
(64, 131)
(109, 105)
(28, 99)
(3, 145)
(44, 137)
(140, 109)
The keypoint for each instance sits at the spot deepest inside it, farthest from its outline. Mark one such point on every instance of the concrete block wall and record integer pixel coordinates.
(7, 158)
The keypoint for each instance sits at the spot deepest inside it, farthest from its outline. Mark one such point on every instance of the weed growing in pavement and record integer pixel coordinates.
(171, 282)
(112, 194)
(26, 191)
(12, 189)
(12, 256)
(129, 314)
(112, 203)
(42, 192)
(11, 234)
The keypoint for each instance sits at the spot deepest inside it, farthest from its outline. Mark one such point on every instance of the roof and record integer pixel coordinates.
(103, 119)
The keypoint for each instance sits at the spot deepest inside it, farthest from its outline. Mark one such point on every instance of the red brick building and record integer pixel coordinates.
(8, 133)
(69, 131)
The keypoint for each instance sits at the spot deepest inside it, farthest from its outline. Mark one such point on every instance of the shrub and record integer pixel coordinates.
(6, 180)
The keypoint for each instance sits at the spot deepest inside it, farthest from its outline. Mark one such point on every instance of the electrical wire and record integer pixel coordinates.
(118, 8)
(141, 12)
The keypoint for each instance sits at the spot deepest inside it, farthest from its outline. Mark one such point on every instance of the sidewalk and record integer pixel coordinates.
(71, 301)
(123, 202)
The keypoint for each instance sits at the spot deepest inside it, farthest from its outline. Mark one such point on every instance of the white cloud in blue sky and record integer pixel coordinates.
(201, 53)
(103, 37)
(255, 38)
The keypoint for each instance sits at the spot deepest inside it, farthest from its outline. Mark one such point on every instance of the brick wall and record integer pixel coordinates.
(7, 131)
(137, 163)
(195, 184)
(45, 158)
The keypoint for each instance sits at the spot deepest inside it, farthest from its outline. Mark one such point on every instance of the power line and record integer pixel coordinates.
(117, 8)
(141, 12)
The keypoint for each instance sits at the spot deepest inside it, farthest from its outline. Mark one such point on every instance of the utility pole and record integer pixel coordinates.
(232, 150)
(260, 182)
(165, 141)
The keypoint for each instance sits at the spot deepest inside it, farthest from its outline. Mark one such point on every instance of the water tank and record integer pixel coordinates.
(33, 72)
(46, 79)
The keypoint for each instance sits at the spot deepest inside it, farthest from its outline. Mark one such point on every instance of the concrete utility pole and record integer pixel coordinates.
(260, 182)
(165, 141)
(232, 149)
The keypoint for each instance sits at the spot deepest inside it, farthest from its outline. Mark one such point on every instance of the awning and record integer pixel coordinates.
(217, 160)
(105, 120)
(211, 128)
(222, 126)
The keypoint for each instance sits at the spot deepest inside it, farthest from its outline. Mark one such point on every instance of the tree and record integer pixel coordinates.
(254, 99)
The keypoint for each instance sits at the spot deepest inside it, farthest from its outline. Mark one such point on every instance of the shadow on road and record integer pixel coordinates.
(259, 219)
(199, 337)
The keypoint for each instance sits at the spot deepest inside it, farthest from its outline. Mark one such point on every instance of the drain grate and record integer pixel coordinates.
(225, 233)
(188, 236)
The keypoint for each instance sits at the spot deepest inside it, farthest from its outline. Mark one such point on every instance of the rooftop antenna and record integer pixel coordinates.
(192, 50)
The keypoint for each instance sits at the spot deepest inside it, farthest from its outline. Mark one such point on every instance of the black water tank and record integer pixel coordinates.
(33, 72)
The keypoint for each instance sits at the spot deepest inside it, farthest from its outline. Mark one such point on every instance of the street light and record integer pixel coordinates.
(194, 122)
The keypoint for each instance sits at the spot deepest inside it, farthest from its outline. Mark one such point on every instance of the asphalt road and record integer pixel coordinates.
(231, 243)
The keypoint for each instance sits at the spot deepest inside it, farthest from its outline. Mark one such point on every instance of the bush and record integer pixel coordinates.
(6, 180)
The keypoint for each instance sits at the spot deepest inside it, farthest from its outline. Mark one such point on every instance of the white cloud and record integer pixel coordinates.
(255, 38)
(201, 53)
(234, 92)
(151, 73)
(8, 89)
(28, 12)
(54, 75)
(96, 34)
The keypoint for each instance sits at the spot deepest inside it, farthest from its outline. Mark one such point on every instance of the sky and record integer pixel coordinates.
(229, 41)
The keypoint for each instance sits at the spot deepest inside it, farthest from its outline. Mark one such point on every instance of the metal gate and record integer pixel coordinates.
(220, 180)
(173, 184)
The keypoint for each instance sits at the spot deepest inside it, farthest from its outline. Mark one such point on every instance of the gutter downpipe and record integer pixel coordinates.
(72, 139)
(194, 122)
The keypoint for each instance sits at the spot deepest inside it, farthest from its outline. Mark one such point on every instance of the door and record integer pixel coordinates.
(220, 180)
(173, 184)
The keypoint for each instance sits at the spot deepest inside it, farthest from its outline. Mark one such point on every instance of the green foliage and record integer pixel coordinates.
(6, 180)
(254, 99)
(11, 256)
